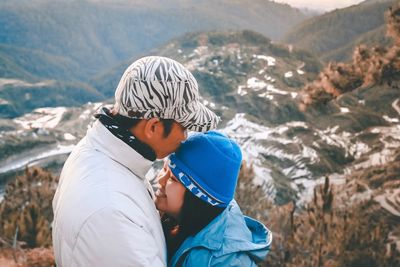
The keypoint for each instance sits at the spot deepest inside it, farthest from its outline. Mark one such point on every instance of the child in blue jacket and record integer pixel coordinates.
(203, 224)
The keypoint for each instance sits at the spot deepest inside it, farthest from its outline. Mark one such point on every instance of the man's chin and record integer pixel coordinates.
(163, 156)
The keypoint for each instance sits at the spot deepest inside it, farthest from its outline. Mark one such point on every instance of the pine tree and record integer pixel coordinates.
(26, 208)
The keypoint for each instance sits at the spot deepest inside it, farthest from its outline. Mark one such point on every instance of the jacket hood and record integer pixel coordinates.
(231, 232)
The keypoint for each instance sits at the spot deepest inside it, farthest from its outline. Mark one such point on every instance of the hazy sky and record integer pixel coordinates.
(320, 4)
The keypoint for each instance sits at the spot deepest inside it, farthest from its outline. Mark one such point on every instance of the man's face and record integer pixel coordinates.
(163, 146)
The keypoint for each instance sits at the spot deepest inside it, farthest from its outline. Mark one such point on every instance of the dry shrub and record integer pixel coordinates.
(40, 257)
(393, 23)
(26, 209)
(251, 197)
(37, 257)
(370, 66)
(330, 230)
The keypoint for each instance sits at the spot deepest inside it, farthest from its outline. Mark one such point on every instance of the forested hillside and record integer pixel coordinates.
(334, 35)
(18, 97)
(230, 55)
(86, 37)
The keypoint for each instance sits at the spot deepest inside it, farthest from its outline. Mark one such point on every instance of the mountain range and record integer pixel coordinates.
(83, 46)
(95, 35)
(253, 84)
(72, 43)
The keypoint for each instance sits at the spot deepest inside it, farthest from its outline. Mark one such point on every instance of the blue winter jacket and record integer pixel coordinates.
(231, 239)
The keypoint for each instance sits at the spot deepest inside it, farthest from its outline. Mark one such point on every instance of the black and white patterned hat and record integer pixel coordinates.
(159, 87)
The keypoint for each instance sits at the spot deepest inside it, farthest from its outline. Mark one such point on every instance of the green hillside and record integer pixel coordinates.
(344, 53)
(185, 49)
(33, 65)
(18, 97)
(95, 35)
(334, 35)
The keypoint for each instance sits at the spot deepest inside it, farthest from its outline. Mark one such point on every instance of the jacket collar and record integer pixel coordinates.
(230, 232)
(104, 141)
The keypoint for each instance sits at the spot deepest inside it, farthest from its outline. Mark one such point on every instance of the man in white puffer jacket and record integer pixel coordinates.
(104, 213)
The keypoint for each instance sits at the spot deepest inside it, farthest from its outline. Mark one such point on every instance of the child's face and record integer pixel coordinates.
(170, 195)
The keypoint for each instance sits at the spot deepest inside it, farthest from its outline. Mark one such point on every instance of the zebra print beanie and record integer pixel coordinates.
(159, 87)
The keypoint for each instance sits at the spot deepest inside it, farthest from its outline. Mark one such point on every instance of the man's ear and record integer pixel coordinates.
(152, 127)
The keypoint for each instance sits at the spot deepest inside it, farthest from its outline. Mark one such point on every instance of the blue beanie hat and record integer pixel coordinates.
(208, 165)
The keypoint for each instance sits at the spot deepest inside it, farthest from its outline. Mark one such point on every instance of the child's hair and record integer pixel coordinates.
(195, 215)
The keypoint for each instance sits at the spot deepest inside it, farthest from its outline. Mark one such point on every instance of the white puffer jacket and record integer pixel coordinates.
(104, 214)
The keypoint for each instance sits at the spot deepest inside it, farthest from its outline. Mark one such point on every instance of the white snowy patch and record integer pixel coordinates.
(41, 118)
(15, 82)
(208, 103)
(390, 138)
(265, 90)
(265, 95)
(271, 61)
(85, 115)
(391, 120)
(396, 105)
(3, 101)
(240, 90)
(344, 110)
(96, 106)
(201, 50)
(375, 159)
(197, 58)
(268, 78)
(93, 107)
(289, 74)
(256, 84)
(331, 136)
(388, 201)
(253, 139)
(299, 69)
(69, 137)
(272, 89)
